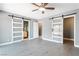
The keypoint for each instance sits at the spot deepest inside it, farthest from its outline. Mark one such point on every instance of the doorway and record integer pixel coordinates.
(40, 30)
(68, 30)
(25, 30)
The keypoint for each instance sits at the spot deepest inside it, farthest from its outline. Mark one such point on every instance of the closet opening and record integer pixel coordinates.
(68, 30)
(25, 30)
(40, 30)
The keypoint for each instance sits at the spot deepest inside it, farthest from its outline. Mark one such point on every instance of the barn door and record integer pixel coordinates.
(17, 29)
(57, 30)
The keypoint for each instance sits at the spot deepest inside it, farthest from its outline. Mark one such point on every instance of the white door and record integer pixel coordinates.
(17, 29)
(35, 30)
(57, 30)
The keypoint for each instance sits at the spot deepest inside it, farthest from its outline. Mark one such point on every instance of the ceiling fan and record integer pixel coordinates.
(42, 7)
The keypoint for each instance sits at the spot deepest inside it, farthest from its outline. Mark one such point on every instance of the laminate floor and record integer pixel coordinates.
(39, 47)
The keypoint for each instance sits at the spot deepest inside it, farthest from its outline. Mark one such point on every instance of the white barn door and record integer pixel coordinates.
(35, 30)
(17, 29)
(57, 30)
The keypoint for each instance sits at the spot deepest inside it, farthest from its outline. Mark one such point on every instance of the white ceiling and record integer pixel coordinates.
(25, 9)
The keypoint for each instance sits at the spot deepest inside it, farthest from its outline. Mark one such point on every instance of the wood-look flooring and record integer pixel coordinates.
(39, 47)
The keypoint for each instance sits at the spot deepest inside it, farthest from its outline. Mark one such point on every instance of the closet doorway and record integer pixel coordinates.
(69, 30)
(40, 30)
(26, 30)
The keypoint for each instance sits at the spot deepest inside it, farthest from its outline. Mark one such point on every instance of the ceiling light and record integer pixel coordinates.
(42, 9)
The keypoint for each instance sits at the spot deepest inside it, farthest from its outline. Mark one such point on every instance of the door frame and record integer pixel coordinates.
(28, 29)
(74, 25)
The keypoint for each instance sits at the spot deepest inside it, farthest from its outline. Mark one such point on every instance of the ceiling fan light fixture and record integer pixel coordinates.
(42, 9)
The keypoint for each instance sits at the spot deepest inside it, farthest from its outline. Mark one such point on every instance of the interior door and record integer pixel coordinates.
(17, 29)
(35, 30)
(57, 30)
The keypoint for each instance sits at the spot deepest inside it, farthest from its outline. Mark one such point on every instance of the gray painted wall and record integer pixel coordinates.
(77, 29)
(5, 27)
(31, 29)
(46, 28)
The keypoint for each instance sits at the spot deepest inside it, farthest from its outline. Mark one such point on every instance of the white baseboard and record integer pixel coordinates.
(51, 40)
(76, 46)
(10, 42)
(33, 38)
(68, 39)
(57, 41)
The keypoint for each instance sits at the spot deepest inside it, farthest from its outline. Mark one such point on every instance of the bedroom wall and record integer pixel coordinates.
(47, 33)
(31, 29)
(46, 29)
(77, 30)
(5, 27)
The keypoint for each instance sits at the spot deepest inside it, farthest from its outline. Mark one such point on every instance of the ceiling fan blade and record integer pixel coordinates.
(45, 4)
(51, 8)
(34, 10)
(35, 4)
